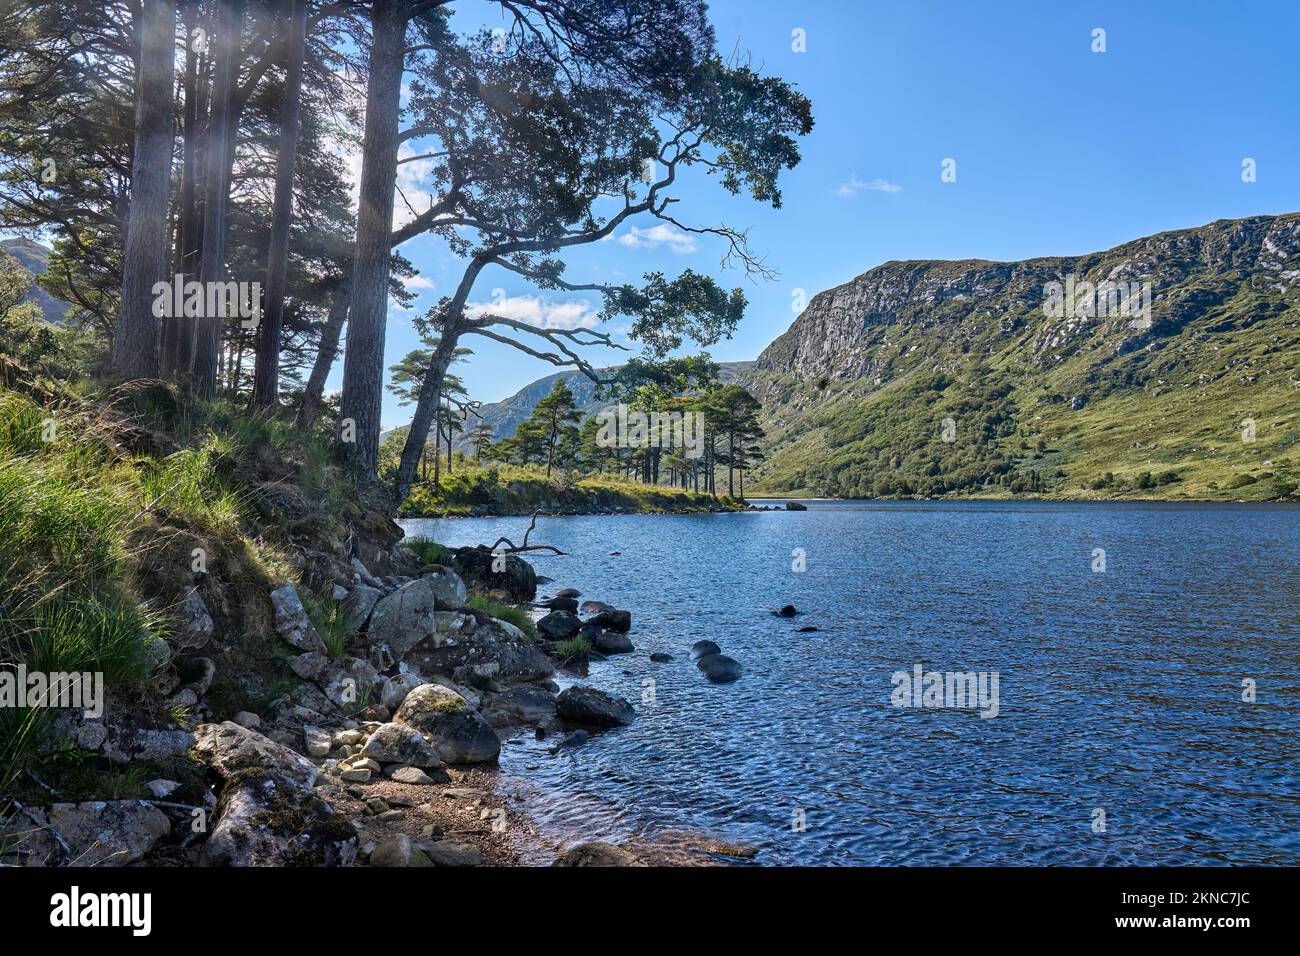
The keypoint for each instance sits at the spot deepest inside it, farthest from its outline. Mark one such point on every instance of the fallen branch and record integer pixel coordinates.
(513, 549)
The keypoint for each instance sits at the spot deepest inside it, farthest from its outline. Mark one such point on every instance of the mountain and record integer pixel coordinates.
(35, 257)
(931, 377)
(506, 415)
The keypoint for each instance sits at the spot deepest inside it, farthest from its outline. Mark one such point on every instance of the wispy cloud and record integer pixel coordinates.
(664, 234)
(543, 313)
(850, 188)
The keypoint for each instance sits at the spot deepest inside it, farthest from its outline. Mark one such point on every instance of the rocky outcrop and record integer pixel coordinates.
(265, 818)
(407, 616)
(291, 621)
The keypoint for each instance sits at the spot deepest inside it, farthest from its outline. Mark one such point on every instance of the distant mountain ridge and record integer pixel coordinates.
(35, 258)
(507, 415)
(856, 393)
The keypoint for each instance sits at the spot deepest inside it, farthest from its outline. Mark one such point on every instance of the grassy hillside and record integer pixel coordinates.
(856, 393)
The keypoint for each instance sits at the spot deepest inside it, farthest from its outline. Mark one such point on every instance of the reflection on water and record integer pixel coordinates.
(1120, 692)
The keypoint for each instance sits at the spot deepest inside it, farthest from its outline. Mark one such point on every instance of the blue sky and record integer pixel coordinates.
(1058, 149)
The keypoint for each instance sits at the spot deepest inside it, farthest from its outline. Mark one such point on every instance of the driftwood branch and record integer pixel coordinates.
(525, 546)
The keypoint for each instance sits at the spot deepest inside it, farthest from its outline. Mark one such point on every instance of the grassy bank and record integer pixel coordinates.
(111, 507)
(511, 490)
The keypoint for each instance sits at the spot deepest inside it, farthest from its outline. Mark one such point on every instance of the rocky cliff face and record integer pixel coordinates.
(1207, 312)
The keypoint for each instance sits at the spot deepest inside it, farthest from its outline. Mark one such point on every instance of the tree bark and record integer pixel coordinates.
(326, 352)
(207, 332)
(266, 377)
(363, 364)
(137, 338)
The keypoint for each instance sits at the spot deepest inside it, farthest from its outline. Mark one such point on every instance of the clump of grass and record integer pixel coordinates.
(575, 648)
(330, 621)
(426, 549)
(509, 613)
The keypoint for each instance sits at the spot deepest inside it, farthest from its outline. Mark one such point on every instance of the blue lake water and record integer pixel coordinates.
(1119, 692)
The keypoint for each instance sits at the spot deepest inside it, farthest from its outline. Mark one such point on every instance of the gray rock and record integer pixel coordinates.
(516, 576)
(404, 618)
(466, 641)
(339, 593)
(319, 741)
(162, 789)
(398, 851)
(702, 648)
(795, 506)
(451, 853)
(396, 688)
(455, 730)
(246, 719)
(358, 605)
(96, 833)
(559, 625)
(196, 625)
(619, 621)
(397, 743)
(229, 748)
(660, 658)
(266, 819)
(408, 775)
(595, 607)
(599, 854)
(291, 621)
(128, 746)
(608, 642)
(524, 704)
(594, 708)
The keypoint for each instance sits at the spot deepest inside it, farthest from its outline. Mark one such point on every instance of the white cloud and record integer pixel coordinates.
(854, 185)
(420, 282)
(543, 313)
(664, 234)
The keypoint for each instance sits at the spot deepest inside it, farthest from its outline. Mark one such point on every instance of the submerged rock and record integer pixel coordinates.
(599, 854)
(795, 506)
(788, 611)
(701, 648)
(719, 668)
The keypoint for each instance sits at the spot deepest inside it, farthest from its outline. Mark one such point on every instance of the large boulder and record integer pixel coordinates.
(618, 621)
(291, 621)
(456, 731)
(344, 683)
(96, 833)
(795, 506)
(593, 708)
(266, 819)
(719, 668)
(228, 749)
(516, 577)
(559, 625)
(397, 743)
(404, 618)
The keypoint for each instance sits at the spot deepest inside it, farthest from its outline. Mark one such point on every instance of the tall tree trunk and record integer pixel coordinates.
(363, 364)
(266, 378)
(326, 352)
(137, 338)
(207, 332)
(731, 459)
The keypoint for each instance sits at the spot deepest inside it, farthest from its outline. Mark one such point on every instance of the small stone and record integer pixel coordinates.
(161, 788)
(388, 816)
(450, 853)
(355, 775)
(246, 719)
(318, 741)
(395, 851)
(410, 775)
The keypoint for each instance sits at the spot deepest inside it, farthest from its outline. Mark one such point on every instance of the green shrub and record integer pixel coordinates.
(506, 612)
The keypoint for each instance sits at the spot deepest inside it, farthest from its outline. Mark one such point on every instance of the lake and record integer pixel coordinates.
(1121, 735)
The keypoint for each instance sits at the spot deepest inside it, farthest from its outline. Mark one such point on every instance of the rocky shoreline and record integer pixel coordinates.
(383, 754)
